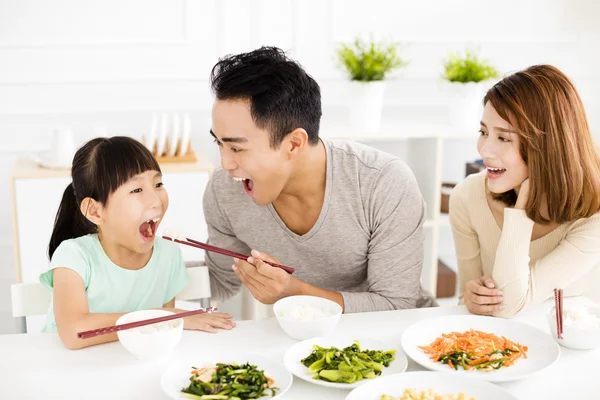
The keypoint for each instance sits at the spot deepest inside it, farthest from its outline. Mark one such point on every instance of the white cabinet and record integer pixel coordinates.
(36, 194)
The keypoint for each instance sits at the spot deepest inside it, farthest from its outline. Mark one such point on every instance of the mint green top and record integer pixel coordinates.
(112, 289)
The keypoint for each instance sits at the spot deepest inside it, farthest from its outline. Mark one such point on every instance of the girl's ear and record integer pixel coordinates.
(91, 210)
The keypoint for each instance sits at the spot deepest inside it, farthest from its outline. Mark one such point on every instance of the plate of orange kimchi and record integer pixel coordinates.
(492, 349)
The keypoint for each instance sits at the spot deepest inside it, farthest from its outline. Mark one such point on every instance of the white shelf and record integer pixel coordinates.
(449, 260)
(419, 141)
(444, 221)
(394, 126)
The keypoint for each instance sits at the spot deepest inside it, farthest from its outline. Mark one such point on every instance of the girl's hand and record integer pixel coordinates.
(481, 296)
(523, 195)
(209, 322)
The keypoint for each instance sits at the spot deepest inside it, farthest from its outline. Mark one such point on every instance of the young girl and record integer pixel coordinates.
(104, 258)
(531, 222)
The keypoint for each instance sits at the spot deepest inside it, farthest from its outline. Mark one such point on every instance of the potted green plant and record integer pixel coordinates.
(367, 64)
(467, 77)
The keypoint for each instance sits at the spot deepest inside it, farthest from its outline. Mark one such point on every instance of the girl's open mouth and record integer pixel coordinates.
(148, 229)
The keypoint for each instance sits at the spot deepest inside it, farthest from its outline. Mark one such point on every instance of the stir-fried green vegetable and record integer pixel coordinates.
(228, 382)
(347, 365)
(469, 360)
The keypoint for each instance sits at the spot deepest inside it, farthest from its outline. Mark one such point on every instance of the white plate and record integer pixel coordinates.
(163, 132)
(177, 376)
(301, 350)
(543, 350)
(175, 134)
(394, 385)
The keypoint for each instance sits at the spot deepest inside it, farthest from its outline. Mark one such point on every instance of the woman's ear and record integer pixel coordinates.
(91, 210)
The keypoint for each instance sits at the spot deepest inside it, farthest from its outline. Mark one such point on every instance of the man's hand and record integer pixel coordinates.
(267, 283)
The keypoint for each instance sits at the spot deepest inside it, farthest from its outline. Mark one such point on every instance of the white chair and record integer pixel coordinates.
(249, 309)
(199, 286)
(30, 299)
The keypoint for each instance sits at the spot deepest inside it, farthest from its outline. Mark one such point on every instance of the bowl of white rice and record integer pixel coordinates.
(305, 317)
(153, 341)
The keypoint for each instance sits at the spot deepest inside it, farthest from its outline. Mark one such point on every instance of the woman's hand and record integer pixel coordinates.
(481, 296)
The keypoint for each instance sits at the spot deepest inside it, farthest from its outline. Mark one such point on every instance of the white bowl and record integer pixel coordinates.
(574, 336)
(301, 327)
(151, 341)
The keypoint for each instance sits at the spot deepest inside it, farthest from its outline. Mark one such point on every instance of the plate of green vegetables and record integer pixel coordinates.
(343, 363)
(222, 377)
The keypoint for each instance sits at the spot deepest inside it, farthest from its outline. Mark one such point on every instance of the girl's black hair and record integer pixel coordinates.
(99, 168)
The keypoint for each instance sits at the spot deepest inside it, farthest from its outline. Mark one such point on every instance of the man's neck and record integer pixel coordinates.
(308, 180)
(300, 203)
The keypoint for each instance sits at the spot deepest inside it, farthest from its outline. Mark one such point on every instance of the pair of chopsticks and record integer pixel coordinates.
(215, 249)
(558, 306)
(137, 324)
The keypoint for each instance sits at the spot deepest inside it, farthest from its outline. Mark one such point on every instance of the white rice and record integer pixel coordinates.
(158, 327)
(305, 313)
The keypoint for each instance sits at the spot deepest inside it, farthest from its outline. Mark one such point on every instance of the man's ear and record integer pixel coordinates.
(91, 210)
(296, 142)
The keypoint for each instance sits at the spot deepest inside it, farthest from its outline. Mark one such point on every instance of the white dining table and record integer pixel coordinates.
(38, 366)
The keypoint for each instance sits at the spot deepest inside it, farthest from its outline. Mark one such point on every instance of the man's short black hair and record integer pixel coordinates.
(282, 96)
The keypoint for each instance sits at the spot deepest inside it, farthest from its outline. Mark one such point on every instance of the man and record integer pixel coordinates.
(347, 217)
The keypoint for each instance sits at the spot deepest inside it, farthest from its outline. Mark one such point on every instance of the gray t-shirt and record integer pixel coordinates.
(367, 242)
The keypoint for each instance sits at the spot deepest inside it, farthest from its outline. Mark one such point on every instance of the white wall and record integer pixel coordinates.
(105, 66)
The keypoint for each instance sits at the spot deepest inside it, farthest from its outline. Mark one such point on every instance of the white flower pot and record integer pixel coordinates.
(465, 104)
(366, 103)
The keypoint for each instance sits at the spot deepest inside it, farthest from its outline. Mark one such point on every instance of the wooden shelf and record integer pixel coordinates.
(25, 168)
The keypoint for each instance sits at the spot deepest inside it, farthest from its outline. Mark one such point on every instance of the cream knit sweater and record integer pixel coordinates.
(526, 271)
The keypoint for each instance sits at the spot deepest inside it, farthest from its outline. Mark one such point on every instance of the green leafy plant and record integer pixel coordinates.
(368, 60)
(467, 67)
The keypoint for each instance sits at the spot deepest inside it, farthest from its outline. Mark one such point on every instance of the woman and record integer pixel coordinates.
(529, 223)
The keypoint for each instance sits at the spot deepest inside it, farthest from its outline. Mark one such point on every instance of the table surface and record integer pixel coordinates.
(38, 365)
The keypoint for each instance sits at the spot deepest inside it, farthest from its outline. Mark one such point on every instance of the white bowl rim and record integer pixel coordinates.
(167, 312)
(337, 313)
(595, 310)
(551, 315)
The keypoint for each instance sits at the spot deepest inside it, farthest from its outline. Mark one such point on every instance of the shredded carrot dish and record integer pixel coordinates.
(475, 350)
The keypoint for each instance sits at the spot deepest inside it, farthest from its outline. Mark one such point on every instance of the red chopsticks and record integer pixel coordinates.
(558, 306)
(214, 249)
(137, 324)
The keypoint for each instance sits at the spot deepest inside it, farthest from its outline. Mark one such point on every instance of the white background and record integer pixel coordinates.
(103, 67)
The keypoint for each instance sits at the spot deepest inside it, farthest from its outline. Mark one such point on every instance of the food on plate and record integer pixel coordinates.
(305, 313)
(229, 382)
(347, 365)
(475, 350)
(428, 394)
